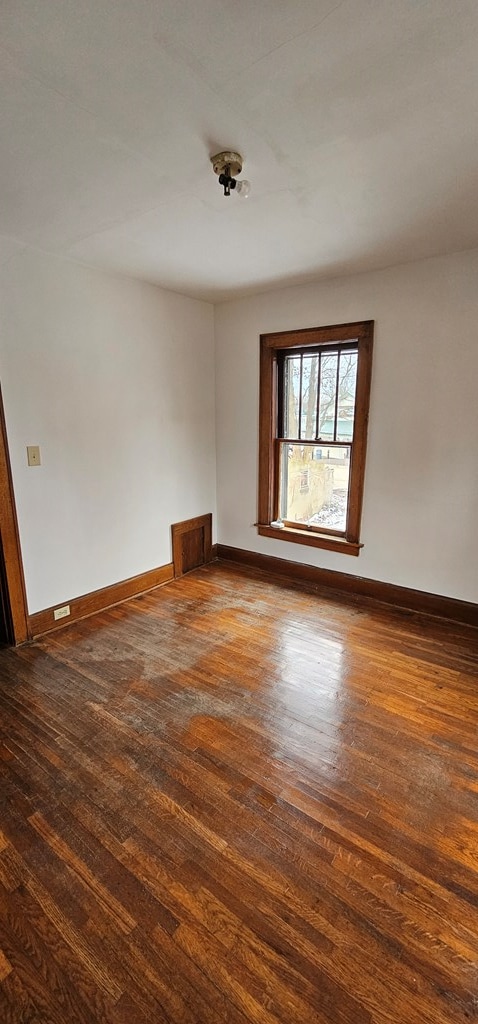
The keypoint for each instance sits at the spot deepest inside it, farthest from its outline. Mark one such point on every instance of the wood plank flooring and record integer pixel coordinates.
(237, 801)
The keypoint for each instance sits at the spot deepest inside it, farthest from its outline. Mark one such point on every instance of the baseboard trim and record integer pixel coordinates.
(464, 612)
(450, 608)
(80, 607)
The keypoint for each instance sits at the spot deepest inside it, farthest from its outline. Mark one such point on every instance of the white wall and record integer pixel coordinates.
(114, 379)
(420, 516)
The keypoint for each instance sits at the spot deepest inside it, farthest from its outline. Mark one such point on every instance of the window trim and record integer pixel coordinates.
(270, 345)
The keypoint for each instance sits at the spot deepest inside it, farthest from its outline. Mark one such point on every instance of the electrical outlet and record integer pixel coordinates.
(61, 613)
(33, 455)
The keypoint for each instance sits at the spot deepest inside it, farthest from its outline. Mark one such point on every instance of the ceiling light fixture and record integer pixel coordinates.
(227, 166)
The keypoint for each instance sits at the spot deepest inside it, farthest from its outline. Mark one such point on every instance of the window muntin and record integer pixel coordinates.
(317, 399)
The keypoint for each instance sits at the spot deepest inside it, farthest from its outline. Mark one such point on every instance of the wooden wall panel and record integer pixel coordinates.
(192, 543)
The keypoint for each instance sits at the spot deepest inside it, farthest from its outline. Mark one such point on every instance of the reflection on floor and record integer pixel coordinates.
(235, 801)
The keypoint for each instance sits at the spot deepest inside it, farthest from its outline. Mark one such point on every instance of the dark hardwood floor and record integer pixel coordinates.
(234, 801)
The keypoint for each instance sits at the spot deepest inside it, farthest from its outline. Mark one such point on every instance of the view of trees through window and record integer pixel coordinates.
(317, 406)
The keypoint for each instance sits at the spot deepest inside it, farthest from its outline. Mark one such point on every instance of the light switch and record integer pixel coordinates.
(33, 454)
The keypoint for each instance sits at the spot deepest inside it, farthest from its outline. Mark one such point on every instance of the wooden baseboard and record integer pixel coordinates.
(44, 621)
(322, 579)
(356, 586)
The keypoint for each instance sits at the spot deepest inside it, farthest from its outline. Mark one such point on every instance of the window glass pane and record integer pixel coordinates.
(314, 485)
(310, 370)
(346, 404)
(328, 390)
(291, 396)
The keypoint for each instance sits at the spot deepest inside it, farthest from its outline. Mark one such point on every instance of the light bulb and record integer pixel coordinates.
(243, 188)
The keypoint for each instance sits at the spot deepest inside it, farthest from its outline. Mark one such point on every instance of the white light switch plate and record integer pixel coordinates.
(33, 455)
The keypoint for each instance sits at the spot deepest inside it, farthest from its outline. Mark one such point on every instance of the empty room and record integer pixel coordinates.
(239, 512)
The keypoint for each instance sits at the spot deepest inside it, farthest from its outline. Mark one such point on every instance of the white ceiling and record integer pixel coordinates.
(357, 121)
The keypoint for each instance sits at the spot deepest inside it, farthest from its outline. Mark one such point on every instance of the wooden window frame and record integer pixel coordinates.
(270, 346)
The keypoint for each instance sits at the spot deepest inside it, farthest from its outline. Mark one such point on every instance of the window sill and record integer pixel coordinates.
(312, 540)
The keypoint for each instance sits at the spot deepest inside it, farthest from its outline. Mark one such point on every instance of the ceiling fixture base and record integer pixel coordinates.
(227, 162)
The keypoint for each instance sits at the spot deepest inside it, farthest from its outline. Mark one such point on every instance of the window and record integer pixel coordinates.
(314, 401)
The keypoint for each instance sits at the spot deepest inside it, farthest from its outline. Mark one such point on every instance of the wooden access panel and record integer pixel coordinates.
(192, 543)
